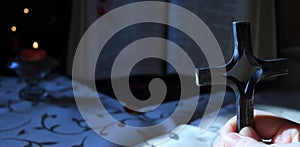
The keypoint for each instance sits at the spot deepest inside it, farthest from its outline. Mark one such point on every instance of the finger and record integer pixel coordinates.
(249, 132)
(229, 127)
(267, 125)
(236, 140)
(297, 144)
(287, 135)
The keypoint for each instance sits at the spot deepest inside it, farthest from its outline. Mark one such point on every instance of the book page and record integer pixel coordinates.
(190, 135)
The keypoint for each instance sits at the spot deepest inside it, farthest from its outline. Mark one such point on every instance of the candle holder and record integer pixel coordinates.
(32, 72)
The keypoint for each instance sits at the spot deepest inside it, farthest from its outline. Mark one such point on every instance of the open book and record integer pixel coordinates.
(189, 135)
(217, 14)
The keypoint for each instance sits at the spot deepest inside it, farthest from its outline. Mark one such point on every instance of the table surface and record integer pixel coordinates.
(57, 121)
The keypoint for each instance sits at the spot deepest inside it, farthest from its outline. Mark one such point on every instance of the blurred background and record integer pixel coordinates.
(24, 22)
(51, 24)
(57, 26)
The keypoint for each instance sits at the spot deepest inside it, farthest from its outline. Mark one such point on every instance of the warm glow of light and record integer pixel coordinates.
(26, 10)
(13, 28)
(35, 45)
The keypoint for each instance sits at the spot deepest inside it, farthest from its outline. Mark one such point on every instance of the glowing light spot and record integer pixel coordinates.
(26, 10)
(35, 45)
(13, 28)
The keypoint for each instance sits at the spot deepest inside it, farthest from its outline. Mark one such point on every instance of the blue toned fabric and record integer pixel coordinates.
(57, 121)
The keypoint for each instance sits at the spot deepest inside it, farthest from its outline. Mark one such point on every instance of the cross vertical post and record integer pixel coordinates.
(244, 93)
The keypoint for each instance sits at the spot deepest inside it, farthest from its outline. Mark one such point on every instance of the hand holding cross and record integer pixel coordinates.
(244, 93)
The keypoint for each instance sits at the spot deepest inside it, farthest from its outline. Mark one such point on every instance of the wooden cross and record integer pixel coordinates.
(244, 93)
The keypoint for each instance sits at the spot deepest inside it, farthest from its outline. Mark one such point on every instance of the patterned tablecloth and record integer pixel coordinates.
(57, 121)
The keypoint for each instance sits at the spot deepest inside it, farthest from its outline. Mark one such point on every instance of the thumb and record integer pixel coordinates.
(249, 132)
(237, 140)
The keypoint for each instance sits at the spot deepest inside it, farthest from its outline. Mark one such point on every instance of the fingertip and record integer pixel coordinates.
(229, 127)
(250, 132)
(287, 135)
(230, 139)
(237, 140)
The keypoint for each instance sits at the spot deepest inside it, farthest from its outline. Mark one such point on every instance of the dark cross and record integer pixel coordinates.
(244, 93)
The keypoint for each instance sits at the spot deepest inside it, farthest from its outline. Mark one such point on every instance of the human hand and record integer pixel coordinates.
(282, 132)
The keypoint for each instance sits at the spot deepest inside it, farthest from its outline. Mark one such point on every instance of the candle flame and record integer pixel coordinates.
(35, 45)
(26, 10)
(13, 28)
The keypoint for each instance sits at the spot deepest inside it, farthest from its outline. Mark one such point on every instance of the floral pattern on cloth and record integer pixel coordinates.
(57, 121)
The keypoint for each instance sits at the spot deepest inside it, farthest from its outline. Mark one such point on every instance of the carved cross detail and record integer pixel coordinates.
(244, 93)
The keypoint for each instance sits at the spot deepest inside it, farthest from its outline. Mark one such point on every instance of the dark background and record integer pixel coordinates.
(288, 23)
(48, 23)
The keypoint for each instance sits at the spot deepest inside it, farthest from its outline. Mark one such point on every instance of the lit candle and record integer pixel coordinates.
(34, 54)
(13, 28)
(26, 10)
